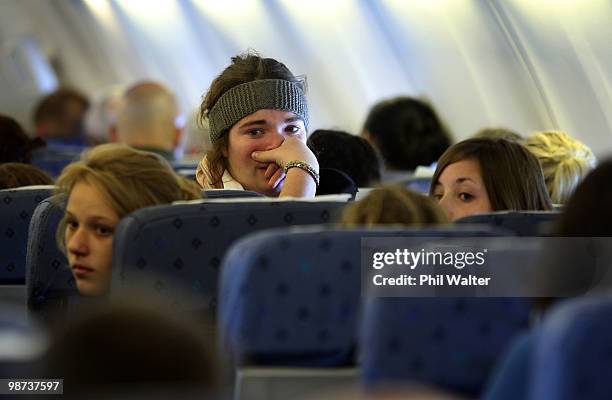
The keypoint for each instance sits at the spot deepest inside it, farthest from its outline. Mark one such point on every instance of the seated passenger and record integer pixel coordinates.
(348, 153)
(146, 119)
(393, 204)
(109, 182)
(575, 269)
(258, 118)
(565, 161)
(588, 211)
(407, 133)
(15, 145)
(135, 350)
(14, 175)
(478, 176)
(59, 118)
(587, 214)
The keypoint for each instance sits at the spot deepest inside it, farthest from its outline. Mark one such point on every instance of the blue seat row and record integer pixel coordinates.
(567, 357)
(281, 288)
(16, 208)
(293, 297)
(159, 246)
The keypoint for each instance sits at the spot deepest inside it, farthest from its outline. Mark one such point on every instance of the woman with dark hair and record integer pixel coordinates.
(484, 175)
(580, 264)
(15, 145)
(588, 211)
(574, 266)
(258, 117)
(135, 347)
(349, 153)
(407, 132)
(14, 175)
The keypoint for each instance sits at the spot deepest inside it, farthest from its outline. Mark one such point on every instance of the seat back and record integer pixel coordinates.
(16, 208)
(184, 244)
(228, 193)
(452, 343)
(522, 223)
(572, 352)
(49, 281)
(292, 296)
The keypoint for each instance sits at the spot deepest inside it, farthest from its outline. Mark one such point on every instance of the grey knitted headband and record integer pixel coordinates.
(247, 98)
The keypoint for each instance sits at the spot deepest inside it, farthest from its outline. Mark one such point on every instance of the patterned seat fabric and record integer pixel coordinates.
(49, 281)
(292, 296)
(573, 358)
(452, 343)
(159, 247)
(16, 208)
(522, 223)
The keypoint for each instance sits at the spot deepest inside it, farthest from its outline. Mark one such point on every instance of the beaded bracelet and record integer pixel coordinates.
(306, 167)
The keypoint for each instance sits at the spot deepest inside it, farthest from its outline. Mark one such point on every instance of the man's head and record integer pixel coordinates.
(147, 117)
(60, 115)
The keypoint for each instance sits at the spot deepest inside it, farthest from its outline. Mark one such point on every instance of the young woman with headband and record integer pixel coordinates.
(257, 113)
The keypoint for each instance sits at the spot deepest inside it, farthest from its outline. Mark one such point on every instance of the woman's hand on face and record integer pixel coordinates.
(275, 175)
(292, 149)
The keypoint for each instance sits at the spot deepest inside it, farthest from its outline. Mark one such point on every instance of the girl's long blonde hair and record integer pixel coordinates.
(129, 179)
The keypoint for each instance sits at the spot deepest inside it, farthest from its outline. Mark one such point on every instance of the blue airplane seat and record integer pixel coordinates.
(16, 208)
(523, 223)
(451, 343)
(50, 285)
(291, 297)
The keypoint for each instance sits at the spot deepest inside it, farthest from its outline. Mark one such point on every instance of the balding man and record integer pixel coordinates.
(147, 119)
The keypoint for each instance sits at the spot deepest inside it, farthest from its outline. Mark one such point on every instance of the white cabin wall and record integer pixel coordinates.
(465, 65)
(25, 71)
(567, 42)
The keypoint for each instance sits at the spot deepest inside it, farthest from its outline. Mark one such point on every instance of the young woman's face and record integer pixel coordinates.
(460, 190)
(262, 130)
(90, 223)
